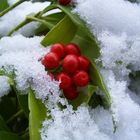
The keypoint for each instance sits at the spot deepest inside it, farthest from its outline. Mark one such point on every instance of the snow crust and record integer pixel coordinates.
(4, 86)
(72, 125)
(23, 55)
(116, 16)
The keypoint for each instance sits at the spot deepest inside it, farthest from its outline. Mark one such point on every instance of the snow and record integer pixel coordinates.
(72, 125)
(4, 86)
(23, 55)
(117, 16)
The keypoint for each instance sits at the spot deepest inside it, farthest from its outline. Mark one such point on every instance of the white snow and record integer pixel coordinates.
(4, 86)
(72, 125)
(117, 16)
(23, 55)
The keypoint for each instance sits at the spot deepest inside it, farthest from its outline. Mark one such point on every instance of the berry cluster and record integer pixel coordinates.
(73, 68)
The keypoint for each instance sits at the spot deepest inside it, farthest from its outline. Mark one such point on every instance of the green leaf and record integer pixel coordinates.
(88, 46)
(63, 32)
(23, 102)
(52, 20)
(84, 96)
(8, 136)
(3, 125)
(3, 5)
(74, 17)
(83, 38)
(95, 101)
(36, 116)
(97, 80)
(7, 107)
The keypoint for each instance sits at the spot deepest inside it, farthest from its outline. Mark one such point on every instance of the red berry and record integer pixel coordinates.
(59, 49)
(64, 2)
(50, 60)
(83, 63)
(72, 49)
(70, 63)
(81, 78)
(64, 79)
(70, 93)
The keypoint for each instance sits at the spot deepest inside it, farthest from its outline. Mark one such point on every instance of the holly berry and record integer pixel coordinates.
(64, 2)
(70, 63)
(72, 49)
(50, 60)
(59, 49)
(70, 93)
(81, 78)
(83, 63)
(64, 79)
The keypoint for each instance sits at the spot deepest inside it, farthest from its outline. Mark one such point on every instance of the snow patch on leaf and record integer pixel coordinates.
(4, 86)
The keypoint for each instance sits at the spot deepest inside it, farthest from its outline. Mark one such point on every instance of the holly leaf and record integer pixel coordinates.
(36, 116)
(62, 32)
(52, 20)
(84, 96)
(3, 125)
(7, 107)
(23, 102)
(88, 46)
(8, 136)
(83, 37)
(97, 80)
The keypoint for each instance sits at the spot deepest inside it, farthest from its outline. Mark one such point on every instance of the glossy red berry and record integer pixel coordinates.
(72, 49)
(64, 2)
(64, 79)
(50, 60)
(70, 63)
(81, 78)
(59, 49)
(70, 93)
(83, 63)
